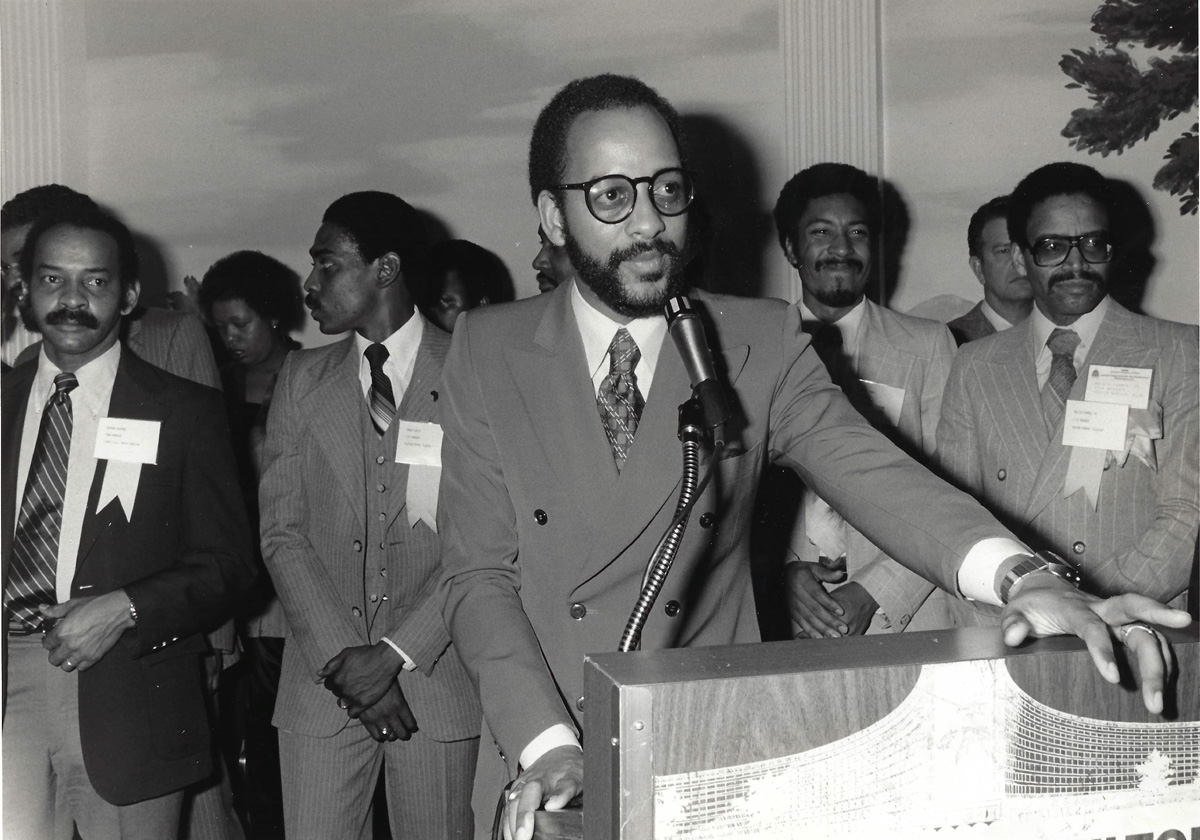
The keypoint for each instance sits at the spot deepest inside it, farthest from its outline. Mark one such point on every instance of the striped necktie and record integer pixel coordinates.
(31, 575)
(1062, 344)
(379, 398)
(618, 399)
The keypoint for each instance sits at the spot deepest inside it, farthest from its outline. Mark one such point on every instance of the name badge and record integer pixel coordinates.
(1119, 385)
(887, 399)
(418, 443)
(131, 441)
(1095, 425)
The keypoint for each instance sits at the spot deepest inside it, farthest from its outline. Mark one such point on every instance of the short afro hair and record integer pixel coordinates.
(84, 217)
(606, 92)
(481, 272)
(48, 199)
(818, 181)
(267, 286)
(380, 223)
(997, 208)
(1062, 178)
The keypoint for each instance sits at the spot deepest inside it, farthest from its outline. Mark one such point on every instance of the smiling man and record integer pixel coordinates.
(1123, 509)
(561, 458)
(124, 539)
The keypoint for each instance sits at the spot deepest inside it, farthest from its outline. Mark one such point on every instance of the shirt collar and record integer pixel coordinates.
(1086, 326)
(402, 345)
(995, 318)
(95, 380)
(848, 325)
(597, 331)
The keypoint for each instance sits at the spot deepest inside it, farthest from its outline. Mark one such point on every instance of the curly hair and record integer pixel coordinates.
(267, 286)
(1062, 178)
(548, 146)
(85, 216)
(27, 207)
(821, 180)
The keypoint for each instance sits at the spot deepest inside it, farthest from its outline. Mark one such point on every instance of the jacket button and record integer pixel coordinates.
(358, 545)
(356, 611)
(381, 460)
(672, 609)
(539, 516)
(579, 704)
(1079, 547)
(904, 619)
(382, 516)
(381, 487)
(706, 520)
(578, 611)
(373, 598)
(1002, 474)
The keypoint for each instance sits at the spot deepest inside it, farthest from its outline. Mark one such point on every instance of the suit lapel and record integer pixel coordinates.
(12, 420)
(334, 404)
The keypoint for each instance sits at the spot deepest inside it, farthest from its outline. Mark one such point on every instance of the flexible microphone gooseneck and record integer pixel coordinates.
(687, 331)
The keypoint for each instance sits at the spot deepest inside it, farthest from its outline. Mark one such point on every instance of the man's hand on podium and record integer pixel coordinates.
(1045, 605)
(551, 782)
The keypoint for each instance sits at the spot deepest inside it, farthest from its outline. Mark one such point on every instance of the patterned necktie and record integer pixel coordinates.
(380, 399)
(35, 546)
(1062, 344)
(827, 341)
(618, 399)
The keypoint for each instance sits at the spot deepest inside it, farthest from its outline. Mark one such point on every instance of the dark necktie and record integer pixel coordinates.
(827, 341)
(1062, 344)
(35, 545)
(618, 398)
(380, 399)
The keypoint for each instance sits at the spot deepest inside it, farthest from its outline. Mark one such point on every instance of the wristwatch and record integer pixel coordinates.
(1040, 561)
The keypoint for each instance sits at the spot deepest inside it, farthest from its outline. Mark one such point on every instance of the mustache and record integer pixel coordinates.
(79, 317)
(844, 262)
(664, 247)
(1067, 275)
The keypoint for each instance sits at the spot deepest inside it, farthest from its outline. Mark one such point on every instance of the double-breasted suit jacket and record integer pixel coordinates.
(348, 567)
(911, 354)
(183, 557)
(993, 439)
(545, 544)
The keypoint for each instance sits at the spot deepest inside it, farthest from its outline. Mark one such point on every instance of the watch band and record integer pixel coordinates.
(1041, 561)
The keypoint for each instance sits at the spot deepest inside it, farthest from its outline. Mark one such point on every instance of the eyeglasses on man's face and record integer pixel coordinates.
(611, 198)
(1049, 251)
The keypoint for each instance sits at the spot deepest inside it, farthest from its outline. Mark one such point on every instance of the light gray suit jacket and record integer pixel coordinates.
(913, 354)
(321, 538)
(994, 440)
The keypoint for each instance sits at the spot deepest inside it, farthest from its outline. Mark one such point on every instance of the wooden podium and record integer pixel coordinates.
(951, 725)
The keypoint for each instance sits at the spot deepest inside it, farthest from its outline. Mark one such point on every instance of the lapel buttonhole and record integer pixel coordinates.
(434, 394)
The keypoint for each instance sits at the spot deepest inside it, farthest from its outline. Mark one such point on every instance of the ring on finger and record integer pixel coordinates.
(1125, 629)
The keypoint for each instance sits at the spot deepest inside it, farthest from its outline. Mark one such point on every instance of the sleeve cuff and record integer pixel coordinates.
(558, 735)
(409, 665)
(977, 574)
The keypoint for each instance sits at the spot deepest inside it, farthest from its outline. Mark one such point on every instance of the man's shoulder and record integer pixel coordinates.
(907, 331)
(1157, 331)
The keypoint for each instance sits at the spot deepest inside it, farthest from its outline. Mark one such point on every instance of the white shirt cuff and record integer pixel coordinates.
(409, 665)
(558, 735)
(977, 574)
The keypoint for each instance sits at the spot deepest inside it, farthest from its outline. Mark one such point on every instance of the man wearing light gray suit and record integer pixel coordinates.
(1018, 404)
(892, 367)
(562, 460)
(349, 498)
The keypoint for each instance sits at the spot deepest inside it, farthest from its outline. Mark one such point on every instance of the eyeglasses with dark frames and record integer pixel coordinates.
(1049, 251)
(611, 198)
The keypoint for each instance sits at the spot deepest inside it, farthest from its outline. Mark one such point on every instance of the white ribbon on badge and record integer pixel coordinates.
(1087, 465)
(120, 482)
(422, 502)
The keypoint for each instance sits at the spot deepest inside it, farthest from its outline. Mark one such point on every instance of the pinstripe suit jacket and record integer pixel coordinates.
(913, 354)
(994, 441)
(319, 507)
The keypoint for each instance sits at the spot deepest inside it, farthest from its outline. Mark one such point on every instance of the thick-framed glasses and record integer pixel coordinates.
(610, 198)
(1050, 251)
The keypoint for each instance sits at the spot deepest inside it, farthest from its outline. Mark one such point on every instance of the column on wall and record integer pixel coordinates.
(42, 82)
(832, 107)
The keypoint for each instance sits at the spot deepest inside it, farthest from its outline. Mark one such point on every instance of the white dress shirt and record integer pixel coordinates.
(998, 321)
(597, 330)
(89, 403)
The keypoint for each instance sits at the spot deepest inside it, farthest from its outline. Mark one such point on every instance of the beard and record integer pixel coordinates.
(838, 297)
(604, 277)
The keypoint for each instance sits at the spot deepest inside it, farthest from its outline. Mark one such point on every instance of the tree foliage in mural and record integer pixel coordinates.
(1131, 103)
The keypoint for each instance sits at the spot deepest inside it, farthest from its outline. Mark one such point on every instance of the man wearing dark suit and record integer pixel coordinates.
(349, 499)
(1125, 513)
(560, 457)
(892, 367)
(121, 504)
(1007, 297)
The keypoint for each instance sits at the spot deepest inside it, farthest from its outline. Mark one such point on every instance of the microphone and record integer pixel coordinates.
(687, 331)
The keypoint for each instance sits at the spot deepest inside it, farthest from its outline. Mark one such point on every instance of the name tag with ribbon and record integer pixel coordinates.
(126, 445)
(420, 446)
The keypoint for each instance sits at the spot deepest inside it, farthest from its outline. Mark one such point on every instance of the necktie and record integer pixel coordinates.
(39, 522)
(379, 398)
(1062, 344)
(827, 341)
(619, 401)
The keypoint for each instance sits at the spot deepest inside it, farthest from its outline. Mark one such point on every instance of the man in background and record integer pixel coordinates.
(1007, 296)
(552, 264)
